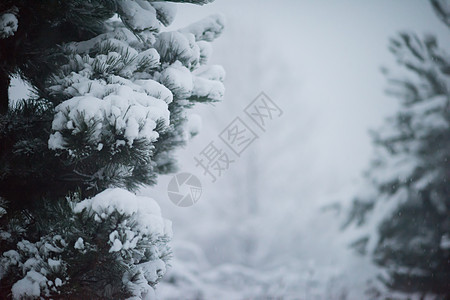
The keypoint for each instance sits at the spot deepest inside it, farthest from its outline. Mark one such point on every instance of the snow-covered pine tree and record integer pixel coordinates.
(111, 90)
(403, 214)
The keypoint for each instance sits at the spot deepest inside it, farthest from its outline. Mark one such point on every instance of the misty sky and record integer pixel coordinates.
(331, 52)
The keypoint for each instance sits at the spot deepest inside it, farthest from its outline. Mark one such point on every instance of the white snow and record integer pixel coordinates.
(429, 116)
(54, 264)
(132, 112)
(30, 286)
(210, 89)
(142, 210)
(8, 25)
(142, 222)
(115, 37)
(207, 29)
(125, 96)
(13, 256)
(165, 12)
(178, 79)
(205, 51)
(153, 270)
(208, 82)
(395, 168)
(144, 274)
(27, 247)
(142, 291)
(120, 88)
(174, 45)
(30, 264)
(192, 276)
(139, 15)
(79, 244)
(155, 89)
(445, 242)
(117, 246)
(58, 282)
(213, 72)
(148, 59)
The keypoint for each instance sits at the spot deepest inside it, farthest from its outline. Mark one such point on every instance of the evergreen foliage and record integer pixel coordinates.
(407, 200)
(111, 91)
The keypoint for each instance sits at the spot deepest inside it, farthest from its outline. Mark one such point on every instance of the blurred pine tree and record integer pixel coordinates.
(406, 221)
(111, 92)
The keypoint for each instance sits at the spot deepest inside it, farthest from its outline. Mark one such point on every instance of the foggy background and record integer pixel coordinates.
(320, 62)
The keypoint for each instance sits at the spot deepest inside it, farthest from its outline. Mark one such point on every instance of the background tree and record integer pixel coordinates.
(111, 90)
(405, 220)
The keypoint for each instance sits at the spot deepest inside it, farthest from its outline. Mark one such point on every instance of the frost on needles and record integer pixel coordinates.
(111, 91)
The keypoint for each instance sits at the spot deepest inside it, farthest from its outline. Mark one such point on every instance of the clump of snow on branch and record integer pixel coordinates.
(39, 263)
(134, 221)
(207, 29)
(142, 223)
(142, 211)
(132, 114)
(8, 24)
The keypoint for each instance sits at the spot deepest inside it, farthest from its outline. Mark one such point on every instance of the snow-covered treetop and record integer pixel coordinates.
(125, 80)
(119, 85)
